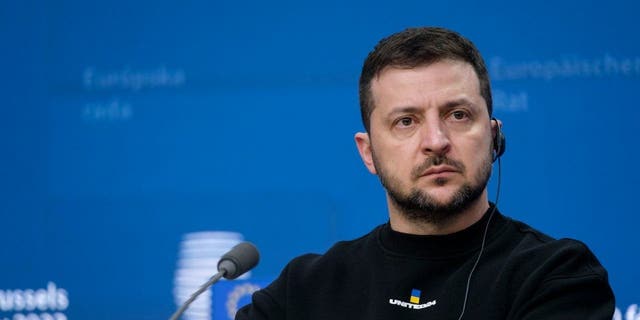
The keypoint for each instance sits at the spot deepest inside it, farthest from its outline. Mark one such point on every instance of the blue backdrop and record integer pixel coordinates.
(126, 125)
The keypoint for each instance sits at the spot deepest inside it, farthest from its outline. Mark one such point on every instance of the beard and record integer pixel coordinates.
(419, 206)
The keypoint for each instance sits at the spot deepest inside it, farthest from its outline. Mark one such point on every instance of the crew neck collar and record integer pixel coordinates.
(434, 246)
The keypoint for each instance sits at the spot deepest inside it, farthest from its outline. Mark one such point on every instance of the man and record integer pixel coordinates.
(446, 252)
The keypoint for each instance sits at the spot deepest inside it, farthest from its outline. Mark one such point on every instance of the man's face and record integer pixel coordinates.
(430, 139)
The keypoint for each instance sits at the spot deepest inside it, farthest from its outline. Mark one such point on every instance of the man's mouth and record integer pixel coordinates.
(438, 170)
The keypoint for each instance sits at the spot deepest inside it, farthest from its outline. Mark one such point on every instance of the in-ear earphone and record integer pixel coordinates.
(499, 141)
(499, 146)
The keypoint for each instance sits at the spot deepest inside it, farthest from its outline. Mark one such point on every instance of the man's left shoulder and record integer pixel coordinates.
(556, 258)
(570, 258)
(550, 278)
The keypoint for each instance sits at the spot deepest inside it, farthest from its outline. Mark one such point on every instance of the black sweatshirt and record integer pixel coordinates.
(522, 275)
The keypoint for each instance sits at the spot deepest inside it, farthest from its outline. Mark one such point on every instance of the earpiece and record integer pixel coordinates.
(499, 145)
(499, 141)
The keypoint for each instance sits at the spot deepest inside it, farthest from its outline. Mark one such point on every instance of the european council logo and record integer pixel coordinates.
(198, 258)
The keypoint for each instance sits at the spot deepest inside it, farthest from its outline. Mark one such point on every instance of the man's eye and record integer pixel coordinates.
(405, 122)
(459, 115)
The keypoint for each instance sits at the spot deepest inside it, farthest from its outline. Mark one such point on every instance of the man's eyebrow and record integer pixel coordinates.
(456, 103)
(446, 106)
(403, 110)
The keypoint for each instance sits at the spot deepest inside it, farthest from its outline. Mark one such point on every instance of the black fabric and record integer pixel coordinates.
(523, 274)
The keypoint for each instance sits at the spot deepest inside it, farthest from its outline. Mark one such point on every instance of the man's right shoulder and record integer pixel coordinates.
(310, 280)
(343, 255)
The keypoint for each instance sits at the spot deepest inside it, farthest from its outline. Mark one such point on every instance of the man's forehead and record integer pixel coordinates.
(445, 66)
(446, 79)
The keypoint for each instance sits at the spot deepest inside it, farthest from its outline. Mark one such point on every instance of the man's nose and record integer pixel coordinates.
(435, 138)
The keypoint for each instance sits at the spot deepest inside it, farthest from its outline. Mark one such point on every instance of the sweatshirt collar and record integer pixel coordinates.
(432, 246)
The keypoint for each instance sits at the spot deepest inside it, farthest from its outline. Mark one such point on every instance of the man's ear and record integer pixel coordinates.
(363, 142)
(495, 123)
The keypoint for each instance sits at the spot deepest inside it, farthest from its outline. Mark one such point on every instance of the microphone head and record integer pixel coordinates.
(240, 259)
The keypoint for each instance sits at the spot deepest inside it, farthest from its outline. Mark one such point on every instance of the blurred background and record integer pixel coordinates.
(126, 125)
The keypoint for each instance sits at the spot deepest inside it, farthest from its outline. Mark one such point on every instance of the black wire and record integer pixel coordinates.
(484, 238)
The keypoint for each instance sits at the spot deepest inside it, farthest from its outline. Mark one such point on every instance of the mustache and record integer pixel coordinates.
(436, 161)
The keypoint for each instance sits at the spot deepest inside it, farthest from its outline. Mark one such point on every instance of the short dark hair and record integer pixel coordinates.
(415, 47)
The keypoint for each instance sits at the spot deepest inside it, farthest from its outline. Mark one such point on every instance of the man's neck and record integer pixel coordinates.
(472, 214)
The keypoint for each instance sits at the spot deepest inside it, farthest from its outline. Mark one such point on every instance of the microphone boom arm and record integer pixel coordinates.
(193, 297)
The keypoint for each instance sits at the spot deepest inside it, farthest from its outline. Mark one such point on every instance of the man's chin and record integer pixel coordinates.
(443, 195)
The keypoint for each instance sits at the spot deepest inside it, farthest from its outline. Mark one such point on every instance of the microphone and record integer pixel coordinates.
(240, 259)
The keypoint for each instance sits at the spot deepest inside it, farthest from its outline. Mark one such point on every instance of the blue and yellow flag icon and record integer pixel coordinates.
(415, 296)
